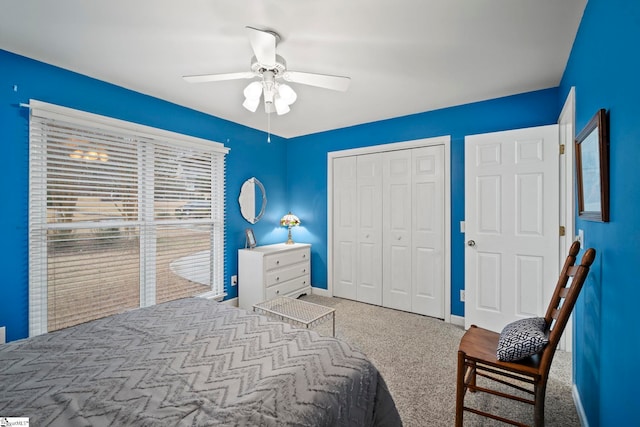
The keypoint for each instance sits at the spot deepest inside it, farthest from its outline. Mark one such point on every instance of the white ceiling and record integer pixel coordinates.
(403, 56)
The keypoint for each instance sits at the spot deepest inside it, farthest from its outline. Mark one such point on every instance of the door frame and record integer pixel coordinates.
(567, 125)
(417, 143)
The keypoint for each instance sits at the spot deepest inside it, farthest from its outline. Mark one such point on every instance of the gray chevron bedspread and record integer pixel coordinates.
(191, 362)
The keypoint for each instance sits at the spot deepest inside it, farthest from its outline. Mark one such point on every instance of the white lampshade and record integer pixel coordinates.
(253, 90)
(287, 94)
(281, 106)
(251, 104)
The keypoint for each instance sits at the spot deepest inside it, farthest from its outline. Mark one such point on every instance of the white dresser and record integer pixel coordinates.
(270, 271)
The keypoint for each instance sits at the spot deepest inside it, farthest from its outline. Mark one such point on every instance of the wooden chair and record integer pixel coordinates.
(477, 351)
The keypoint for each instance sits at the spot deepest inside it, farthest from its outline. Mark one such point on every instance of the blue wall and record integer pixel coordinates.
(250, 155)
(308, 164)
(604, 67)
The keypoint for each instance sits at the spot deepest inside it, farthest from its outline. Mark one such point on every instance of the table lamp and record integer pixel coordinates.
(290, 220)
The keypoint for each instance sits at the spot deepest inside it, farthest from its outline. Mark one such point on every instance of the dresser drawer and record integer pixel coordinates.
(285, 258)
(285, 288)
(287, 273)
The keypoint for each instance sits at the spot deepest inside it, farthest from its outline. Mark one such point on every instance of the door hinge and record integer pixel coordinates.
(562, 230)
(561, 148)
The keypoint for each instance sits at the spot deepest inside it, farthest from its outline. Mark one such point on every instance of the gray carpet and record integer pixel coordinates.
(417, 358)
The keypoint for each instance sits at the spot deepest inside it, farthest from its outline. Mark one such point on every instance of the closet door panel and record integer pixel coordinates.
(397, 262)
(427, 272)
(369, 223)
(428, 231)
(344, 227)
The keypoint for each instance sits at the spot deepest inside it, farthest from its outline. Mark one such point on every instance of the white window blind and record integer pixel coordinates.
(120, 216)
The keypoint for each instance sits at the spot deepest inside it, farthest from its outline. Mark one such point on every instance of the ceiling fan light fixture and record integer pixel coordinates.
(253, 90)
(282, 107)
(251, 104)
(287, 94)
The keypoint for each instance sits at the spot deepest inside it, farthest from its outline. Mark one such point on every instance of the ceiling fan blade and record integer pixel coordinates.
(326, 81)
(219, 77)
(263, 44)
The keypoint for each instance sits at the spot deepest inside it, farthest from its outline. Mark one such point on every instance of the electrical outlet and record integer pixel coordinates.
(462, 295)
(234, 280)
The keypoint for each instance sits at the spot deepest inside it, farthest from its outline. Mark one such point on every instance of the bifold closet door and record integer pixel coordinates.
(344, 227)
(369, 235)
(357, 222)
(413, 230)
(397, 259)
(427, 243)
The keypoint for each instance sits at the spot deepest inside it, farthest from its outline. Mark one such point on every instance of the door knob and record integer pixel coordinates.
(471, 243)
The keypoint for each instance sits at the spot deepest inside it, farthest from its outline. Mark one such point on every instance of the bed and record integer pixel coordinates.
(191, 362)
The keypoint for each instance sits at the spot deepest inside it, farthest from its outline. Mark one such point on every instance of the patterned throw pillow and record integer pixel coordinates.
(521, 339)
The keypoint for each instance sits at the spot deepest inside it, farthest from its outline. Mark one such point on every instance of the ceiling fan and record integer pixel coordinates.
(271, 68)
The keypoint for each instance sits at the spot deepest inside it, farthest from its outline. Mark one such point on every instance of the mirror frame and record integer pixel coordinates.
(256, 182)
(592, 169)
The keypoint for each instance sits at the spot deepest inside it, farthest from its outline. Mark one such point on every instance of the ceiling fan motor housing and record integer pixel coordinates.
(279, 67)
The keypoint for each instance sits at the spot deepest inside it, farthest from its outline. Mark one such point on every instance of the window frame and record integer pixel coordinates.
(145, 138)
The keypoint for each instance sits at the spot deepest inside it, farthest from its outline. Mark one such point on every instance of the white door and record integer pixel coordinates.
(397, 230)
(512, 224)
(369, 211)
(427, 243)
(344, 227)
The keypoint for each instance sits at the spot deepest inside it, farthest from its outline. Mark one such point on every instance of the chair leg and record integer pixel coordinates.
(460, 388)
(538, 411)
(472, 381)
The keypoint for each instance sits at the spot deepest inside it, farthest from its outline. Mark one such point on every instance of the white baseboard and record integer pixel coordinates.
(457, 320)
(321, 292)
(579, 408)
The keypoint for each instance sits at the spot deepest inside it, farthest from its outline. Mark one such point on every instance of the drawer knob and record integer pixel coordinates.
(278, 262)
(304, 255)
(304, 270)
(278, 278)
(278, 291)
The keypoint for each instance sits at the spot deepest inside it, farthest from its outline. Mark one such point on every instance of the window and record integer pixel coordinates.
(120, 216)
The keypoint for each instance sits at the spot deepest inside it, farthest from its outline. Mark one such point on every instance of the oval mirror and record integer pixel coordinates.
(252, 200)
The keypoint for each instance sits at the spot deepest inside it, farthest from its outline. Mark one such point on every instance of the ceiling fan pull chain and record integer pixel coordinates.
(269, 128)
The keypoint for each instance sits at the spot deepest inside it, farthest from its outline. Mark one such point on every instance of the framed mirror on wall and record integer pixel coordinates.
(252, 200)
(592, 169)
